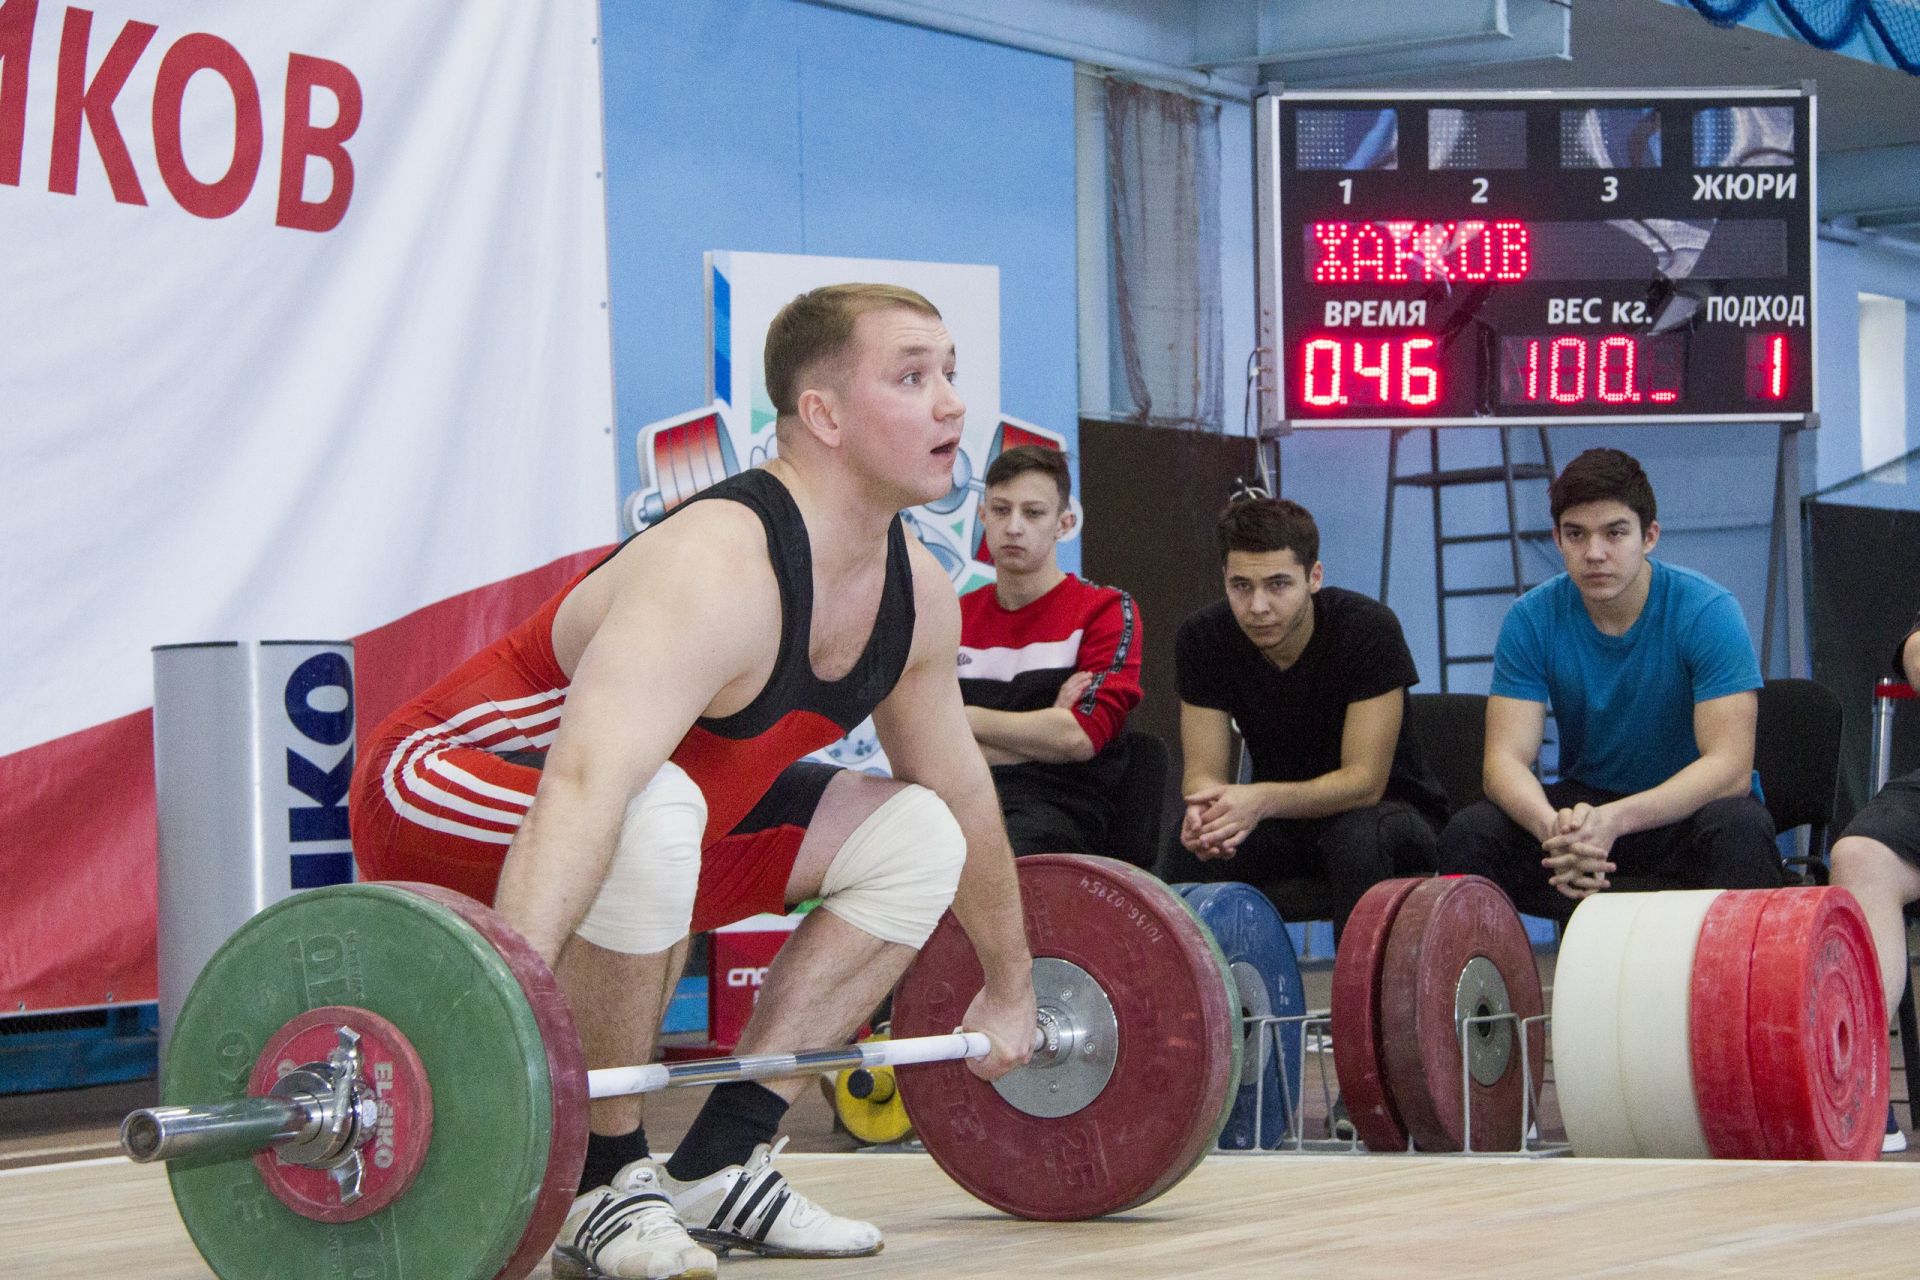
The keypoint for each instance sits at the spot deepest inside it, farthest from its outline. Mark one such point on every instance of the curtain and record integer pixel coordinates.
(1163, 187)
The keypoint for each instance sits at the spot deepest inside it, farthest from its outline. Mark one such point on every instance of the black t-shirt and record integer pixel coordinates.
(1292, 720)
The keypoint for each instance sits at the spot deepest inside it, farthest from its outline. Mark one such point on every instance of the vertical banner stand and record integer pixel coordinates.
(252, 754)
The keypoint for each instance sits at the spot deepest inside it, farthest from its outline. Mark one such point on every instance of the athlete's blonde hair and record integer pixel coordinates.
(817, 328)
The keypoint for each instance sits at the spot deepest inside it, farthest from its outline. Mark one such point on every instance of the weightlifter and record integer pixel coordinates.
(624, 767)
(1878, 858)
(1651, 676)
(1315, 678)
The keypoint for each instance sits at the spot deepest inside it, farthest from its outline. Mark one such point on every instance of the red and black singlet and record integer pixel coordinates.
(735, 758)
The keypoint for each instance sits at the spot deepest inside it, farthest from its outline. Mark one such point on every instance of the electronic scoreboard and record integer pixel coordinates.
(1444, 259)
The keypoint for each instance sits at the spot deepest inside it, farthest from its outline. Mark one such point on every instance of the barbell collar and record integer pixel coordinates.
(224, 1129)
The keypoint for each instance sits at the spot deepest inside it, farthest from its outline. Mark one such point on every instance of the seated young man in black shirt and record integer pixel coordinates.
(1315, 678)
(1878, 858)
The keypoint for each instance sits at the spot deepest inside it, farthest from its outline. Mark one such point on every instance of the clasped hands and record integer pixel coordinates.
(1219, 818)
(1577, 850)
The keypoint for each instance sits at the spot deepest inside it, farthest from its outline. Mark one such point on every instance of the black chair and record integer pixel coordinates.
(1796, 751)
(1140, 800)
(1451, 729)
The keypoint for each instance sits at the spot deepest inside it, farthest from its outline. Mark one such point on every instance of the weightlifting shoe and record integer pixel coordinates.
(751, 1207)
(629, 1231)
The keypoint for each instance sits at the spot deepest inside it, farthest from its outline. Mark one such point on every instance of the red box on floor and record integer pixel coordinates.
(739, 954)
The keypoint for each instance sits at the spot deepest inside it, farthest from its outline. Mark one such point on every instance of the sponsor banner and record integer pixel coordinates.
(306, 329)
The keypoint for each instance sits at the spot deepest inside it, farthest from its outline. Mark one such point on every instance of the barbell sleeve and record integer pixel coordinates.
(239, 1127)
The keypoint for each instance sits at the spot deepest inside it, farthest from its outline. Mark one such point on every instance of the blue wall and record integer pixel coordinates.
(779, 127)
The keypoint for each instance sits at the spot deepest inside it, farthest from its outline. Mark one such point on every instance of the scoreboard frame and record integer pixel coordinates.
(1289, 200)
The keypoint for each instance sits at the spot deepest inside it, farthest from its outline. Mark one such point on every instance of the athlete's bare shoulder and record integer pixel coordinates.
(936, 608)
(708, 565)
(714, 534)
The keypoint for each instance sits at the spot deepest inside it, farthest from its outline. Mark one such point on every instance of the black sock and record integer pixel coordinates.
(609, 1154)
(737, 1118)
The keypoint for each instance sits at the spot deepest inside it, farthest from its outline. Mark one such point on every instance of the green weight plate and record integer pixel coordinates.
(418, 964)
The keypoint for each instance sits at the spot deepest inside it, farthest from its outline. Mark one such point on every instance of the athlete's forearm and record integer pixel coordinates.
(1512, 786)
(1707, 779)
(1340, 791)
(555, 866)
(1051, 734)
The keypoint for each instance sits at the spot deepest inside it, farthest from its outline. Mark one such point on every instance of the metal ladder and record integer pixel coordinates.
(1436, 480)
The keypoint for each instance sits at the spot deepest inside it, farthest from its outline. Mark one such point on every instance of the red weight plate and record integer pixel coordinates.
(1357, 1061)
(1442, 927)
(1817, 1028)
(399, 1146)
(566, 1068)
(1174, 1072)
(1717, 1026)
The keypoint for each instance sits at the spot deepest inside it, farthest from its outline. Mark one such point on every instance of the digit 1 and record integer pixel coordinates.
(1346, 191)
(1777, 367)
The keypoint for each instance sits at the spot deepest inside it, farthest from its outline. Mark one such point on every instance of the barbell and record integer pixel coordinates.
(384, 1079)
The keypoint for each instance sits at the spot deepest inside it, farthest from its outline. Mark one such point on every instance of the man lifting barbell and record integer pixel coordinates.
(620, 770)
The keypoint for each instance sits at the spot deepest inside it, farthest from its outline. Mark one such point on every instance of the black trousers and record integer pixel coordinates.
(1727, 844)
(1354, 851)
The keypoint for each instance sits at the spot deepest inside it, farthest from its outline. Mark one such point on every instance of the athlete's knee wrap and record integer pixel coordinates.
(895, 875)
(646, 902)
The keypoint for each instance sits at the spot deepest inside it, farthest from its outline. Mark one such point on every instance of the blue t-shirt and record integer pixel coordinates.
(1624, 704)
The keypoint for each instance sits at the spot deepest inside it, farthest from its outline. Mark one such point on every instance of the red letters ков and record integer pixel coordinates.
(84, 108)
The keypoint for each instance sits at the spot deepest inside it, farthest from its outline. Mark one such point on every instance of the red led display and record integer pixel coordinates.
(1440, 259)
(1400, 252)
(1592, 370)
(1397, 373)
(1768, 357)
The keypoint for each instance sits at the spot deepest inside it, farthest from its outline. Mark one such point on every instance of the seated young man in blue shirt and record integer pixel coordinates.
(1878, 859)
(1652, 679)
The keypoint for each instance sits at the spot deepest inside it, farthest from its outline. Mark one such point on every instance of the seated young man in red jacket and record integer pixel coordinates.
(1049, 666)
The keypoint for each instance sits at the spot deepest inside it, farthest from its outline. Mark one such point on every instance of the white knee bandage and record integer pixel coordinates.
(895, 875)
(646, 902)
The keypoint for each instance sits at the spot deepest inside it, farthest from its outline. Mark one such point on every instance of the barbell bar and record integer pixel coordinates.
(243, 1127)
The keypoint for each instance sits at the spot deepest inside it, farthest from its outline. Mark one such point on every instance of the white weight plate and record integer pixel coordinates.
(1586, 1025)
(1655, 1048)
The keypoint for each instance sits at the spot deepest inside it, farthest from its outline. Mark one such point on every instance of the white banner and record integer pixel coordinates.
(303, 335)
(305, 324)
